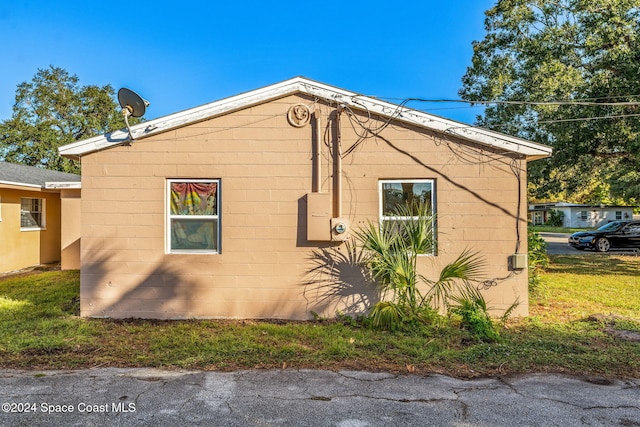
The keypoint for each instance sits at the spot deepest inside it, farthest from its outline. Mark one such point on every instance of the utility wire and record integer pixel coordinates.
(586, 102)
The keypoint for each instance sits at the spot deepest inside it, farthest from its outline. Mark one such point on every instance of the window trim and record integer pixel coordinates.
(169, 217)
(434, 210)
(42, 212)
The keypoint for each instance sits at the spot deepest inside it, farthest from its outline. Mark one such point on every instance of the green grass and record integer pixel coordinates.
(549, 229)
(41, 330)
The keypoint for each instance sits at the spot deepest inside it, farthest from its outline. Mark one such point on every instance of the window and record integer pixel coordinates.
(618, 214)
(584, 215)
(193, 224)
(400, 199)
(31, 214)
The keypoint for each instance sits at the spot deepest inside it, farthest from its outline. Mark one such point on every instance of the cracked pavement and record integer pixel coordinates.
(153, 397)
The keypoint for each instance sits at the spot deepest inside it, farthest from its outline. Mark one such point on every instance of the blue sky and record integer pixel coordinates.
(180, 55)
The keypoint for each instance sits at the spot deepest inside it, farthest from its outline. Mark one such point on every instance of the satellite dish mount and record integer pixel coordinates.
(133, 105)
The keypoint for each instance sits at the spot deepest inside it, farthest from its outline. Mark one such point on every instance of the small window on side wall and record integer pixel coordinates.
(193, 223)
(31, 214)
(404, 200)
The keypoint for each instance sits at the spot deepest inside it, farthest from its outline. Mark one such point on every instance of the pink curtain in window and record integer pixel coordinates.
(193, 198)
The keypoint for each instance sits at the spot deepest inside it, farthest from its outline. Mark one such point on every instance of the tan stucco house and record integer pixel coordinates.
(242, 208)
(33, 230)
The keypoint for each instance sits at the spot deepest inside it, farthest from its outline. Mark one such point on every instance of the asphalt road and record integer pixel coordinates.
(151, 397)
(557, 244)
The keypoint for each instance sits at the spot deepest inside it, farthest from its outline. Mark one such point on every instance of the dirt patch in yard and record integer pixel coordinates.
(614, 326)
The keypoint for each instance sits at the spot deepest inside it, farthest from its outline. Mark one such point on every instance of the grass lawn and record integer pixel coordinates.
(550, 229)
(578, 323)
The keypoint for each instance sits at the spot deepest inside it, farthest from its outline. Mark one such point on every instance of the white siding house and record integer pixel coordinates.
(580, 215)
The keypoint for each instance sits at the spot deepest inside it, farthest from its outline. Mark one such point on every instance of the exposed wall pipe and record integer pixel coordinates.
(317, 161)
(337, 168)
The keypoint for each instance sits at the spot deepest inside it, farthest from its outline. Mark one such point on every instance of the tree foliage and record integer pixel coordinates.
(570, 50)
(52, 110)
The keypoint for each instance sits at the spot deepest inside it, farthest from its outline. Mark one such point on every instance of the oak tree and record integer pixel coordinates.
(51, 110)
(583, 52)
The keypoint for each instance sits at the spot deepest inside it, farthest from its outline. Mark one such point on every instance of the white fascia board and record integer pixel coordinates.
(62, 185)
(330, 93)
(20, 184)
(461, 130)
(182, 118)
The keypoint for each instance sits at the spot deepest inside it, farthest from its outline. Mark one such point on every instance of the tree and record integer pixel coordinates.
(53, 110)
(570, 50)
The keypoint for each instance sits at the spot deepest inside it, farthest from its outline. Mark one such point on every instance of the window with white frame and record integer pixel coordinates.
(401, 197)
(193, 210)
(584, 215)
(618, 214)
(31, 214)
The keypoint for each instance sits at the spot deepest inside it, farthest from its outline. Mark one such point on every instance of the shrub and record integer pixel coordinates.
(555, 218)
(538, 259)
(392, 250)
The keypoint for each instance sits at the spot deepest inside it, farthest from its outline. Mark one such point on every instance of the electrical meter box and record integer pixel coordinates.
(339, 229)
(319, 217)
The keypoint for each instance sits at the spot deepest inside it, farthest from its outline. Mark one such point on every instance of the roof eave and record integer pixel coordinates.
(62, 185)
(179, 119)
(530, 150)
(20, 184)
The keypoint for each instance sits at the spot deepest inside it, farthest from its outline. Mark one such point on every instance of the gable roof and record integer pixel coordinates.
(303, 85)
(31, 176)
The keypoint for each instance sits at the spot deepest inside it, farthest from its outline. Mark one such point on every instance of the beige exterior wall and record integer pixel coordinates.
(19, 248)
(267, 268)
(70, 229)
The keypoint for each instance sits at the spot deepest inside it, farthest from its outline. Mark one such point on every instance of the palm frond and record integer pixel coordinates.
(468, 266)
(386, 315)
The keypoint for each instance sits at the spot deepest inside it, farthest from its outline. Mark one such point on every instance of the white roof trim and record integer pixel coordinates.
(20, 184)
(62, 185)
(497, 140)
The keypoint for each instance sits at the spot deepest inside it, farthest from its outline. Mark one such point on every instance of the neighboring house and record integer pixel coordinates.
(32, 229)
(579, 215)
(242, 208)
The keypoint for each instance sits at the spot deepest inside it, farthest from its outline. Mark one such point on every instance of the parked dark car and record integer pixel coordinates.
(616, 234)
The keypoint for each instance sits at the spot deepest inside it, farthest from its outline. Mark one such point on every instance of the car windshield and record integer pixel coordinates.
(612, 226)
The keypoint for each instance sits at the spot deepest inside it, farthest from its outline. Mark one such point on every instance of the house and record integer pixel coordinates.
(576, 215)
(33, 230)
(243, 208)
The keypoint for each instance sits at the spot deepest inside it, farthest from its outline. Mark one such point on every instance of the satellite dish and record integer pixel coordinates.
(133, 105)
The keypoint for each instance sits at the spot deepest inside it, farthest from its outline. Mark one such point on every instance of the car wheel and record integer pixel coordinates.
(603, 245)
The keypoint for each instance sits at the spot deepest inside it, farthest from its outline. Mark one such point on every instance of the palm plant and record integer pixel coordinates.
(392, 249)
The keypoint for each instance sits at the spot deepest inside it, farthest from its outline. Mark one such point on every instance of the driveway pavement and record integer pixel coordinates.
(557, 244)
(151, 397)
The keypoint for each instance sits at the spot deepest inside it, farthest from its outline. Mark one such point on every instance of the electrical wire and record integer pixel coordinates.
(592, 102)
(363, 130)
